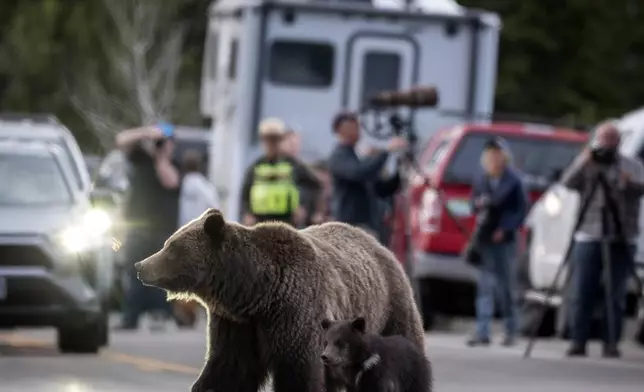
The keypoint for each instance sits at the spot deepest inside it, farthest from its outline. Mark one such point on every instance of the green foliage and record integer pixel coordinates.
(574, 59)
(578, 59)
(46, 46)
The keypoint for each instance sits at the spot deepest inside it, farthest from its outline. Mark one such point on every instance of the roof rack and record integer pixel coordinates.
(34, 118)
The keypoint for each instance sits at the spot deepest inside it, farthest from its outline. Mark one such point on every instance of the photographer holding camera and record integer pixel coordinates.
(151, 211)
(354, 199)
(625, 179)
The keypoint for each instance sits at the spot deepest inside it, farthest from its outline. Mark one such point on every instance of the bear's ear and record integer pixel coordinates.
(359, 325)
(326, 323)
(214, 224)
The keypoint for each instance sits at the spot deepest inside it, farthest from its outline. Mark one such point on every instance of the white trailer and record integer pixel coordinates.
(302, 61)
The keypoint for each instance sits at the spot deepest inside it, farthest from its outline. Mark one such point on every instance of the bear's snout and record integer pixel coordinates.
(145, 272)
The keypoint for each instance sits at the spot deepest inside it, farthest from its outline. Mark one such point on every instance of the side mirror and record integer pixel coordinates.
(102, 197)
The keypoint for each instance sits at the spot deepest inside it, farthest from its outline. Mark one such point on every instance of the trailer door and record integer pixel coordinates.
(378, 62)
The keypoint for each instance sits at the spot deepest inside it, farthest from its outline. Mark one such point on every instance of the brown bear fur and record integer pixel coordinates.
(268, 287)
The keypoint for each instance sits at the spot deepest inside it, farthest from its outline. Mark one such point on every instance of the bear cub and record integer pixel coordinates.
(361, 362)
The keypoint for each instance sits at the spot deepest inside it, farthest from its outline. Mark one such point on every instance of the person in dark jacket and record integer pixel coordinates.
(271, 186)
(354, 178)
(499, 197)
(151, 211)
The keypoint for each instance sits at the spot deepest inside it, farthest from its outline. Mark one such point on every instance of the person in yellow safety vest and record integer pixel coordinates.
(270, 187)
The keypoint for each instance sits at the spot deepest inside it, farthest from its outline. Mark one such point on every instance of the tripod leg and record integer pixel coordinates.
(543, 309)
(608, 293)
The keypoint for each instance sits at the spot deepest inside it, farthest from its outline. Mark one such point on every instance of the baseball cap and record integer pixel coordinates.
(495, 143)
(272, 127)
(341, 117)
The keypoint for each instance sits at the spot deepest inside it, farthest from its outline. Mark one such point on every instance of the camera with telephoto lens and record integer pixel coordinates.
(603, 155)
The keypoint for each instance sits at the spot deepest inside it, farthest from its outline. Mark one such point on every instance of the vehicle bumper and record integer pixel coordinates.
(34, 297)
(432, 266)
(41, 285)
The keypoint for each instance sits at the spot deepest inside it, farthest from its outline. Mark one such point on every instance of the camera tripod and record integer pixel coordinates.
(399, 127)
(408, 164)
(609, 212)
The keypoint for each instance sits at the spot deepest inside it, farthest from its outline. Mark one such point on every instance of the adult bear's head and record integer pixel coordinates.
(230, 268)
(192, 258)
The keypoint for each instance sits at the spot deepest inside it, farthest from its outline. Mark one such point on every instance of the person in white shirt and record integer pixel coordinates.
(197, 193)
(196, 196)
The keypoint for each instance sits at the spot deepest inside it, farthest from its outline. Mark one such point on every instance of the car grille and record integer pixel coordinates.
(23, 256)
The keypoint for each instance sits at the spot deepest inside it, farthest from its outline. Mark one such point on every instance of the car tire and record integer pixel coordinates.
(86, 339)
(105, 328)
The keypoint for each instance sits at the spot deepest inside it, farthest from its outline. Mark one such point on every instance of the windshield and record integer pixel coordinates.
(537, 158)
(32, 180)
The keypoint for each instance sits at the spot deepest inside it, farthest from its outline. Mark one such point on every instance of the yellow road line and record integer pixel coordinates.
(143, 363)
(150, 363)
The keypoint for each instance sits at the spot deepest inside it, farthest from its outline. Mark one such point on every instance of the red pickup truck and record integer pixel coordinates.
(450, 160)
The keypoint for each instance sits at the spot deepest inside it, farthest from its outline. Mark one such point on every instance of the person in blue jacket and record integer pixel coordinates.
(498, 191)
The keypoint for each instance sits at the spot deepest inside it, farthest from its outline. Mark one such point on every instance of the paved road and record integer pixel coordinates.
(170, 361)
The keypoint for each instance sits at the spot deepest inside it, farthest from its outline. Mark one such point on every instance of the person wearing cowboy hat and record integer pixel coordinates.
(271, 183)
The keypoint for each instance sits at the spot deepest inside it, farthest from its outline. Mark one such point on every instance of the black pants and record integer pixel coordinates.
(139, 298)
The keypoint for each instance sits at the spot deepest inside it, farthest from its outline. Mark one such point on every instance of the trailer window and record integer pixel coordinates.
(380, 72)
(232, 64)
(302, 64)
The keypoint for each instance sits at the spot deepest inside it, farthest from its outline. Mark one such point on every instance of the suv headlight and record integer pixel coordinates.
(74, 239)
(552, 204)
(86, 234)
(97, 220)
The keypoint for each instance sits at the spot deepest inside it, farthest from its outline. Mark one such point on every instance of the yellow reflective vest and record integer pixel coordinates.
(273, 191)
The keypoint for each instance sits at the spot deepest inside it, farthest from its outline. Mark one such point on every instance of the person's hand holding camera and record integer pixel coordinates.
(153, 133)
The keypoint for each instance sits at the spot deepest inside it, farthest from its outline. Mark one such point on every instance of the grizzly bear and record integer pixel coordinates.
(266, 289)
(362, 362)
